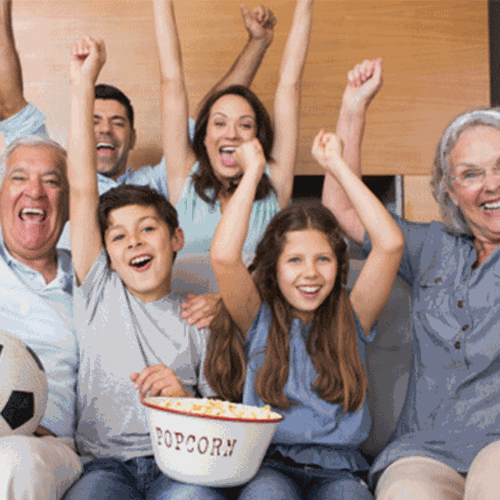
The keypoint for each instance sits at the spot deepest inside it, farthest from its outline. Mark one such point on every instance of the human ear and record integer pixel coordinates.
(452, 195)
(133, 138)
(178, 240)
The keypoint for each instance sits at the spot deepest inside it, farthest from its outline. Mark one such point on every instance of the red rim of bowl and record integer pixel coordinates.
(217, 417)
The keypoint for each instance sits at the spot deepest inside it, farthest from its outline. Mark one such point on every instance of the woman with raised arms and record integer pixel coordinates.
(203, 175)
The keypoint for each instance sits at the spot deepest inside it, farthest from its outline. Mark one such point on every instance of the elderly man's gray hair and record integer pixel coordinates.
(441, 177)
(27, 140)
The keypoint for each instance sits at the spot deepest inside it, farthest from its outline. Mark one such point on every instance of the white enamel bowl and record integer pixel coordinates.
(207, 450)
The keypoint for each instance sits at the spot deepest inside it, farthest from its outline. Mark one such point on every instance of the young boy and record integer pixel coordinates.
(131, 339)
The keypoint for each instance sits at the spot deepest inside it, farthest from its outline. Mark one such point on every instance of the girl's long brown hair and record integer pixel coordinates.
(332, 342)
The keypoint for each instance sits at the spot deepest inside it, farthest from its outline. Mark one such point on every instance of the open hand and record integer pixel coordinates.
(200, 310)
(87, 59)
(159, 380)
(259, 22)
(363, 83)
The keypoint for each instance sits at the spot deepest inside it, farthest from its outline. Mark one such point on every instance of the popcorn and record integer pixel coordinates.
(216, 408)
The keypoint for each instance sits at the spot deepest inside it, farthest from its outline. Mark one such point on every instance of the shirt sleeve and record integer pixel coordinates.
(29, 121)
(94, 282)
(415, 235)
(156, 176)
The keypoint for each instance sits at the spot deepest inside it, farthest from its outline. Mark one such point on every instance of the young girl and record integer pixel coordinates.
(292, 337)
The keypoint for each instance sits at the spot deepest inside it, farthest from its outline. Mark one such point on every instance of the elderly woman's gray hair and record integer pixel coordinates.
(28, 140)
(441, 177)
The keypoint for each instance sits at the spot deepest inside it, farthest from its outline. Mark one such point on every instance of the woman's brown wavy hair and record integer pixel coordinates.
(332, 341)
(206, 184)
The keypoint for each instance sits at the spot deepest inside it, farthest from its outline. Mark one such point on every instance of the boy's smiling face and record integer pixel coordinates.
(141, 250)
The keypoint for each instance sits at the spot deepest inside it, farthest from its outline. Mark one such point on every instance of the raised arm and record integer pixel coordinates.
(375, 283)
(364, 82)
(259, 23)
(236, 285)
(177, 150)
(11, 78)
(287, 102)
(87, 58)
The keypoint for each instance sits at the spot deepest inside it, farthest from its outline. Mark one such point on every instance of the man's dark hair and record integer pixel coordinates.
(108, 92)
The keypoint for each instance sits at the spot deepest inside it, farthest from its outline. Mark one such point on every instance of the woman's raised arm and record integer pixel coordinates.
(179, 156)
(287, 102)
(374, 285)
(363, 83)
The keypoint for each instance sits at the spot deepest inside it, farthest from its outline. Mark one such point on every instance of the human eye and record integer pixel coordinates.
(471, 174)
(247, 126)
(52, 181)
(148, 228)
(117, 237)
(119, 123)
(324, 258)
(17, 175)
(293, 260)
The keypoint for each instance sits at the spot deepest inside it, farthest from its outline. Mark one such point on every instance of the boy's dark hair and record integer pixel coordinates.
(108, 92)
(128, 194)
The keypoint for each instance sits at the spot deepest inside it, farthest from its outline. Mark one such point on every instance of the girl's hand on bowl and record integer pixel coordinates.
(159, 380)
(250, 156)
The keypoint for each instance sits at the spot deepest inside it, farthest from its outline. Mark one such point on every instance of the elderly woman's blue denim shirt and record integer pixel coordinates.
(452, 407)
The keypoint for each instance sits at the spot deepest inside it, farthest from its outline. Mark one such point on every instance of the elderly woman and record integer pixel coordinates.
(447, 442)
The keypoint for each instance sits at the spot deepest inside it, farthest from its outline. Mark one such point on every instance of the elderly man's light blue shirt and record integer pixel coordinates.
(41, 315)
(452, 408)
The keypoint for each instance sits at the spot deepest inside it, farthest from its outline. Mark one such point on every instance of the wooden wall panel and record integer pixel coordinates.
(419, 204)
(435, 59)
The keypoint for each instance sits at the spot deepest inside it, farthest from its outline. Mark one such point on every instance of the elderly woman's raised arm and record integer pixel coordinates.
(287, 102)
(364, 82)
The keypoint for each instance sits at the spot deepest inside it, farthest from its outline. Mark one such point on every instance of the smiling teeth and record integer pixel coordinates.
(140, 260)
(309, 289)
(105, 145)
(491, 206)
(32, 211)
(228, 149)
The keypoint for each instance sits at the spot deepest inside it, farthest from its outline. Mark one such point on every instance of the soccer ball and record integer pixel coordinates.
(23, 388)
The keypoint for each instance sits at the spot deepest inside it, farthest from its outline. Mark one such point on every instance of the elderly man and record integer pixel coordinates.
(36, 306)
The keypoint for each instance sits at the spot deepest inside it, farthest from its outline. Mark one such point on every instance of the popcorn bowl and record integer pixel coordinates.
(206, 449)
